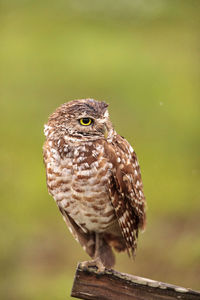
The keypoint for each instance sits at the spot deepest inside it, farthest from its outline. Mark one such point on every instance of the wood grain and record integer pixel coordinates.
(112, 285)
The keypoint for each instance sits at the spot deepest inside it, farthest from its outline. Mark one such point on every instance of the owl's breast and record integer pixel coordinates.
(79, 183)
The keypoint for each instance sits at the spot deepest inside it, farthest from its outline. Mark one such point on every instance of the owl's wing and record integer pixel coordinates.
(126, 190)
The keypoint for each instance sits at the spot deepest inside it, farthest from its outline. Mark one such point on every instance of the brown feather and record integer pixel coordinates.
(126, 191)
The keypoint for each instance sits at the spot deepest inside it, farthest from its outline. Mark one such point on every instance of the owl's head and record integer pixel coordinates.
(82, 118)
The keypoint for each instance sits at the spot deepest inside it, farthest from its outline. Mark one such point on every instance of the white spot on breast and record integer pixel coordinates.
(99, 147)
(62, 195)
(86, 165)
(83, 148)
(66, 172)
(49, 165)
(85, 172)
(50, 176)
(80, 159)
(95, 153)
(94, 164)
(64, 203)
(66, 148)
(76, 153)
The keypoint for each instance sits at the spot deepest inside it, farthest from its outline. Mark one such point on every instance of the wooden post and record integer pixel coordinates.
(112, 285)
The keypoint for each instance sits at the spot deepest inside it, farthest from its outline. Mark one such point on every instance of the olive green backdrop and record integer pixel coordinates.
(142, 57)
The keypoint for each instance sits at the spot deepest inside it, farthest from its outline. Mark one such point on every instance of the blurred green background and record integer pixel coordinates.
(142, 57)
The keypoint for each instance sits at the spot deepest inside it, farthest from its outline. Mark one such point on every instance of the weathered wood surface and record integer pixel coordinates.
(112, 285)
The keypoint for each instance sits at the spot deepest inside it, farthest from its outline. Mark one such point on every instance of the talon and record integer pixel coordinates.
(94, 263)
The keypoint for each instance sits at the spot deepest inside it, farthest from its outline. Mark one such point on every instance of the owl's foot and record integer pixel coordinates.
(94, 263)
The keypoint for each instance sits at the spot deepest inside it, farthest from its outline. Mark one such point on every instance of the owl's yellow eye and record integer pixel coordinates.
(85, 121)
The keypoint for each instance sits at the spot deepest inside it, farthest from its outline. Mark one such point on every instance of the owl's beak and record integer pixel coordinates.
(105, 132)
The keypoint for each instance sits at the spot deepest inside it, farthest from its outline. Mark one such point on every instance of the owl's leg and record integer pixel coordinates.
(97, 245)
(97, 254)
(96, 262)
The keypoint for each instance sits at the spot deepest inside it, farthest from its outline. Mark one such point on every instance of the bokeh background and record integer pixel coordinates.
(140, 56)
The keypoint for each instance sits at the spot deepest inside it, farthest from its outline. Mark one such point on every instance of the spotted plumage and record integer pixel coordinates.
(94, 176)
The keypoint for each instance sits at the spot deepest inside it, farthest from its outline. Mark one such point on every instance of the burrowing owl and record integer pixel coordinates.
(94, 176)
